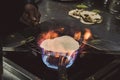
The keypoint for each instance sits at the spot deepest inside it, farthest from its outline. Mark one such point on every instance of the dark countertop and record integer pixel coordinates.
(51, 10)
(109, 29)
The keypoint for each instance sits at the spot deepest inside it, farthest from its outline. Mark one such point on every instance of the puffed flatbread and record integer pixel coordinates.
(63, 44)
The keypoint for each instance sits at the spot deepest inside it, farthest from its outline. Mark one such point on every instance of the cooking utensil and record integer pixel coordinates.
(105, 45)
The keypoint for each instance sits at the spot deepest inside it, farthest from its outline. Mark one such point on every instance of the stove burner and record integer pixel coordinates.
(53, 43)
(83, 67)
(53, 62)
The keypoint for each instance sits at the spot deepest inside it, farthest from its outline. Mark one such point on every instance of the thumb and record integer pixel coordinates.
(32, 15)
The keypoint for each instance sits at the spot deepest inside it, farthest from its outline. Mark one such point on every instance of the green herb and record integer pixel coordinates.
(96, 10)
(82, 6)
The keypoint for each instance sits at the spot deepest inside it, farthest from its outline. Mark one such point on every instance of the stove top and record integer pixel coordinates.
(90, 64)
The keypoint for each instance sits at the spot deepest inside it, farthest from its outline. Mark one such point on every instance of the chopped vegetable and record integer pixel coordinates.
(96, 10)
(82, 6)
(85, 16)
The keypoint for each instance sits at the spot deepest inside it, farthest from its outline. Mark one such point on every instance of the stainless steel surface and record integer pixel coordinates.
(12, 71)
(114, 8)
(18, 49)
(109, 70)
(82, 68)
(104, 45)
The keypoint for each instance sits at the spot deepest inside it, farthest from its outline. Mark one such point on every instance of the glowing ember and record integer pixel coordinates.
(53, 49)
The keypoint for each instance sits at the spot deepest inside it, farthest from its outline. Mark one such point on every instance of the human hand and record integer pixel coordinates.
(31, 15)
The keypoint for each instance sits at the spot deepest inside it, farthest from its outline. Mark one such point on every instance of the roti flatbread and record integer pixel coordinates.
(86, 17)
(63, 44)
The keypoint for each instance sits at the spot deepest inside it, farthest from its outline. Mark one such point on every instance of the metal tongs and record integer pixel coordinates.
(105, 45)
(16, 40)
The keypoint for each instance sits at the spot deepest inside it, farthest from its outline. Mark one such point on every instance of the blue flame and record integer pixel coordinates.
(53, 65)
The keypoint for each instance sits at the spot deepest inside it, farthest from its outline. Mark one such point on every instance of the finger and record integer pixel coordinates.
(31, 10)
(33, 18)
(25, 19)
(32, 15)
(37, 15)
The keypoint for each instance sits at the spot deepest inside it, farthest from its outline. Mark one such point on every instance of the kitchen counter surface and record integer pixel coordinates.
(109, 29)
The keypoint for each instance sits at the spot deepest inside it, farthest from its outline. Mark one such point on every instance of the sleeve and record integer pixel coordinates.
(31, 2)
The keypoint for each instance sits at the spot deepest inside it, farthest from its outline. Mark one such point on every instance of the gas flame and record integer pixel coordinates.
(50, 58)
(64, 47)
(60, 29)
(77, 35)
(50, 34)
(87, 35)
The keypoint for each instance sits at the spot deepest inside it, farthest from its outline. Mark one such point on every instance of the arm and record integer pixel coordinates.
(30, 2)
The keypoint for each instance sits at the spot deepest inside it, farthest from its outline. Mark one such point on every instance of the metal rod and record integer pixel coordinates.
(62, 68)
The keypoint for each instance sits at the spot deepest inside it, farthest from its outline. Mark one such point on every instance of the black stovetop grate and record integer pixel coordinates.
(84, 68)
